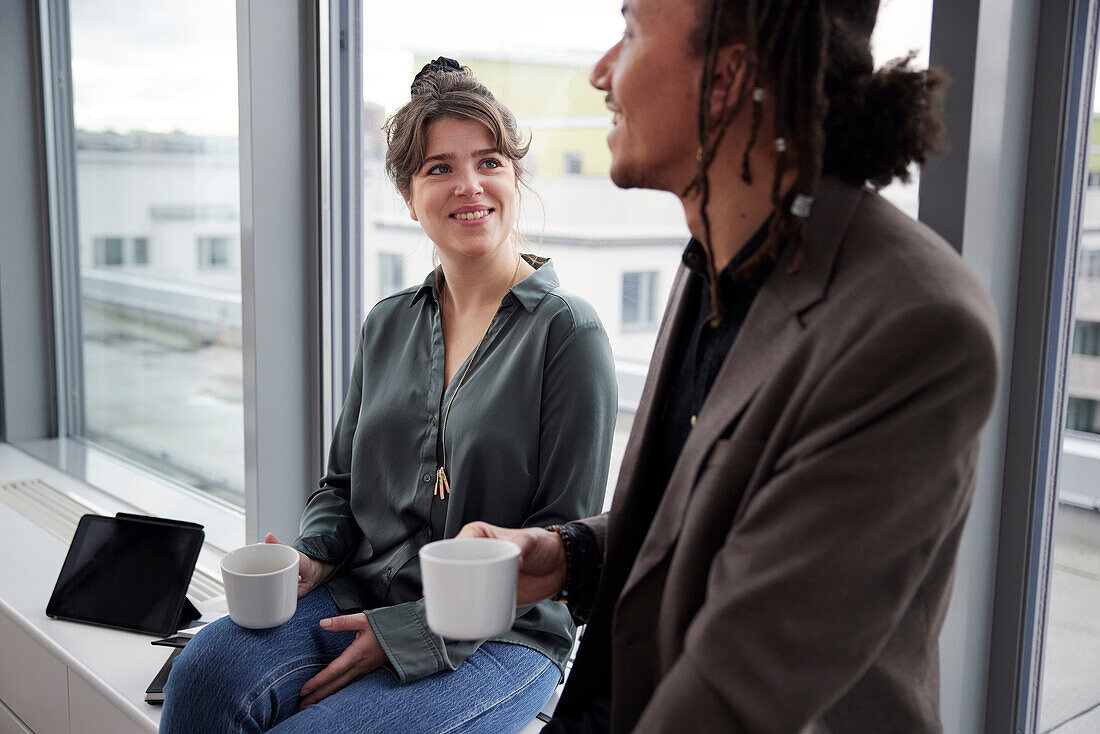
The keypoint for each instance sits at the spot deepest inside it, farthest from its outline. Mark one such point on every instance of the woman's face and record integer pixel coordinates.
(465, 193)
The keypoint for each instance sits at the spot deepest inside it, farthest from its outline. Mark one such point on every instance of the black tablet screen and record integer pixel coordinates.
(126, 573)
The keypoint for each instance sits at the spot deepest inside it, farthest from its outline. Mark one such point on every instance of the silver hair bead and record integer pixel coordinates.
(758, 94)
(802, 205)
(780, 145)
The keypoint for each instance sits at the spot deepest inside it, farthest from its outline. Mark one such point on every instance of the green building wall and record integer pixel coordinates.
(554, 102)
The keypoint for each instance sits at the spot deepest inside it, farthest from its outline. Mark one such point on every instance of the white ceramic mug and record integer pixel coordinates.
(261, 584)
(470, 586)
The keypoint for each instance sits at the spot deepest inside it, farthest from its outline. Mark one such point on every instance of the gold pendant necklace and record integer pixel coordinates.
(442, 485)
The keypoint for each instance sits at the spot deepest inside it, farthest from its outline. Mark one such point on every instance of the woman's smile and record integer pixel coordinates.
(472, 216)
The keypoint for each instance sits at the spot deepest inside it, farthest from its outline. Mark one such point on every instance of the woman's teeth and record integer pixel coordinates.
(473, 215)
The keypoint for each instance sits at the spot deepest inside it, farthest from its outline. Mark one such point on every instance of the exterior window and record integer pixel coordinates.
(1086, 338)
(213, 253)
(1081, 415)
(391, 273)
(141, 251)
(640, 300)
(108, 251)
(156, 160)
(574, 162)
(1090, 264)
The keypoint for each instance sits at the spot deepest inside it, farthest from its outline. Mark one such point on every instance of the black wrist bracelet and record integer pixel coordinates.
(563, 595)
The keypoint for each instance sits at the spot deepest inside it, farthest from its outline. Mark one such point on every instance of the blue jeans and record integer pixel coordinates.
(231, 679)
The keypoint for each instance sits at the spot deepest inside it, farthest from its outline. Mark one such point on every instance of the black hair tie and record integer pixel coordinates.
(442, 64)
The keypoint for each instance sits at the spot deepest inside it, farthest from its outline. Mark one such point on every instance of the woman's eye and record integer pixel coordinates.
(438, 169)
(492, 163)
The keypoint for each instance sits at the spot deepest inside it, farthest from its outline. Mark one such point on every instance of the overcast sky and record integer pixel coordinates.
(160, 66)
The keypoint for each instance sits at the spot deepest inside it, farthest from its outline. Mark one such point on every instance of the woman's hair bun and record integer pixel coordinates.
(441, 65)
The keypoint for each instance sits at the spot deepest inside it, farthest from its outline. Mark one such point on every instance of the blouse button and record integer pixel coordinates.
(427, 478)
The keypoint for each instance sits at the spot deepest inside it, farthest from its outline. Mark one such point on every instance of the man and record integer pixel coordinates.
(778, 556)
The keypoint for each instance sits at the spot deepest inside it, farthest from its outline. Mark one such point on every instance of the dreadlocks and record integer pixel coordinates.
(833, 114)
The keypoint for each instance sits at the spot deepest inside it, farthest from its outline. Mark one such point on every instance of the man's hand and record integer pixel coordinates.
(541, 558)
(363, 656)
(311, 572)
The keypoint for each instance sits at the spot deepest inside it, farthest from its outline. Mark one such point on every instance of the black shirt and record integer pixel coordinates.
(702, 353)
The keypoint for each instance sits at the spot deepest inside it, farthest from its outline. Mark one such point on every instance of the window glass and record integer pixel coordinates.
(155, 110)
(108, 251)
(618, 249)
(141, 251)
(391, 273)
(639, 300)
(1086, 338)
(904, 27)
(213, 252)
(1070, 677)
(1090, 258)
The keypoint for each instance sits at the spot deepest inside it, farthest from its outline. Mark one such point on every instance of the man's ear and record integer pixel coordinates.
(731, 73)
(407, 196)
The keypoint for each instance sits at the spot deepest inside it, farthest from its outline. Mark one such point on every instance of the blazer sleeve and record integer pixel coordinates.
(597, 525)
(578, 411)
(825, 558)
(329, 531)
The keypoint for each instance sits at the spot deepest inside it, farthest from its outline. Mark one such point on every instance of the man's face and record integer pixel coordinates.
(651, 77)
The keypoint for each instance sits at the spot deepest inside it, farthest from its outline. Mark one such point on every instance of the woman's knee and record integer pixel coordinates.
(220, 659)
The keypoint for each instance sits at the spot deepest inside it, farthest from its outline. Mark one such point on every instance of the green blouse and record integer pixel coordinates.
(528, 444)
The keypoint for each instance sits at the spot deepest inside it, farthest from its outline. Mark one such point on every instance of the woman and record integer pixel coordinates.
(487, 393)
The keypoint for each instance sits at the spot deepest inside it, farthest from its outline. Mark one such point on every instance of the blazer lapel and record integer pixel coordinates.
(771, 330)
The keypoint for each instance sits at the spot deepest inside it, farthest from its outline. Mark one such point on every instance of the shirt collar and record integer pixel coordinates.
(695, 259)
(529, 292)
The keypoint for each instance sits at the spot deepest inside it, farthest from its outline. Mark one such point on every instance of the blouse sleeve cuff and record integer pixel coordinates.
(406, 640)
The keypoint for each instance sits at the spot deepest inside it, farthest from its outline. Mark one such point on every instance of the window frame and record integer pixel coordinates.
(342, 272)
(278, 81)
(1053, 190)
(60, 167)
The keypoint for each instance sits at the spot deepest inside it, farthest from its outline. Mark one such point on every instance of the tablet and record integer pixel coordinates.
(128, 572)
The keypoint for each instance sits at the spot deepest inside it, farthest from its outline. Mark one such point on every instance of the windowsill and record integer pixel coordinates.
(116, 665)
(103, 475)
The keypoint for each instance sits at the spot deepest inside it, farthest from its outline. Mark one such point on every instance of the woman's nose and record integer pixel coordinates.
(468, 184)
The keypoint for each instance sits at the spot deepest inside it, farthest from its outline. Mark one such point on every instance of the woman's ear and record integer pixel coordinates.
(731, 73)
(407, 196)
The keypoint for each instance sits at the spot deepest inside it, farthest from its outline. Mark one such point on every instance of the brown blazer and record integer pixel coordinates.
(796, 574)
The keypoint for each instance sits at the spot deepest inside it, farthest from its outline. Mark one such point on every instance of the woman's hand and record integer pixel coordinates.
(363, 656)
(311, 572)
(541, 558)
